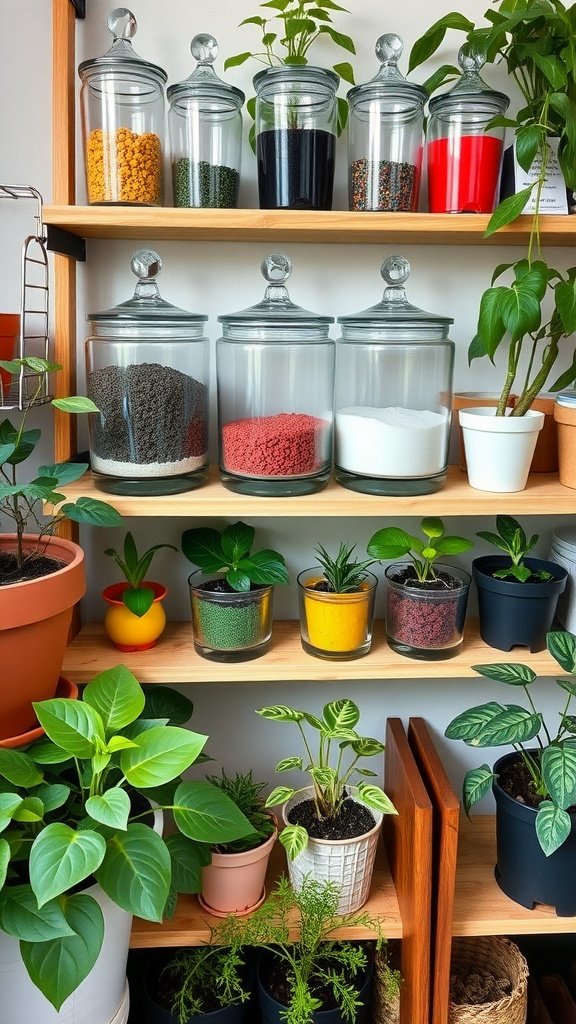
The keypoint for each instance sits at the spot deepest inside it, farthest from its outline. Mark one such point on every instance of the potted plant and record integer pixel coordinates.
(337, 605)
(233, 881)
(534, 786)
(517, 595)
(79, 853)
(536, 46)
(231, 611)
(41, 575)
(200, 983)
(331, 826)
(136, 617)
(426, 600)
(296, 109)
(312, 978)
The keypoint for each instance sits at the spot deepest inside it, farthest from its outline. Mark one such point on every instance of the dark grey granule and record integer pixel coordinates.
(203, 184)
(148, 413)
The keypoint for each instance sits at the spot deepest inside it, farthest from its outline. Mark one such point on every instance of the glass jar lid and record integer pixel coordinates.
(204, 83)
(567, 398)
(146, 308)
(389, 82)
(394, 314)
(276, 311)
(470, 86)
(121, 56)
(287, 73)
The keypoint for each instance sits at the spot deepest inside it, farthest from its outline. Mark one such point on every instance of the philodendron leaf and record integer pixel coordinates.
(91, 511)
(5, 854)
(57, 967)
(167, 703)
(160, 755)
(29, 809)
(268, 567)
(64, 472)
(391, 542)
(136, 871)
(19, 768)
(60, 857)
(562, 647)
(558, 765)
(508, 210)
(294, 839)
(46, 752)
(340, 714)
(279, 795)
(21, 916)
(117, 696)
(237, 540)
(375, 798)
(477, 783)
(52, 796)
(514, 674)
(203, 812)
(188, 858)
(552, 826)
(75, 404)
(71, 724)
(112, 808)
(203, 548)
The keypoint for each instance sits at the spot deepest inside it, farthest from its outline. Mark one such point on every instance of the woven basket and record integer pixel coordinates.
(501, 958)
(385, 1008)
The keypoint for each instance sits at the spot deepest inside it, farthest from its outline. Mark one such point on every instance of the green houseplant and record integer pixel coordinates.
(534, 786)
(74, 814)
(425, 600)
(337, 604)
(331, 809)
(232, 611)
(41, 574)
(195, 983)
(136, 617)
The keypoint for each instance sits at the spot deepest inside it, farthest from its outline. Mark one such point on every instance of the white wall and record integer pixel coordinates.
(216, 278)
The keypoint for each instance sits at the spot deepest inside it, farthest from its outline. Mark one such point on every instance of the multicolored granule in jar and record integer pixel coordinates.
(124, 167)
(385, 185)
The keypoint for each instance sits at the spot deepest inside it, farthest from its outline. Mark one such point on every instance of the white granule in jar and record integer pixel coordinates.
(391, 442)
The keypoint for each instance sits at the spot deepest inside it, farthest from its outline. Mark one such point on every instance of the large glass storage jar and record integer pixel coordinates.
(205, 125)
(463, 156)
(275, 373)
(296, 122)
(385, 136)
(122, 105)
(147, 371)
(394, 367)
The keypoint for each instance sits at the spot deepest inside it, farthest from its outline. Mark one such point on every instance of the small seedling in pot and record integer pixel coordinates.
(230, 552)
(199, 981)
(512, 539)
(392, 542)
(343, 574)
(138, 599)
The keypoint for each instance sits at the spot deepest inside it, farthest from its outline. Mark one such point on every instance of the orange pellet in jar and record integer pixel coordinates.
(124, 167)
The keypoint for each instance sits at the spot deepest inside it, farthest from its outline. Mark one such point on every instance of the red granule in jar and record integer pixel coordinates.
(288, 444)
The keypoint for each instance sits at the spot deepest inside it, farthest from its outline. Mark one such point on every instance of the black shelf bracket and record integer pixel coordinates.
(65, 243)
(80, 7)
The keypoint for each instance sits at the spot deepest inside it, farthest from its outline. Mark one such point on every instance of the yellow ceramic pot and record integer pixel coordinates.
(336, 626)
(129, 632)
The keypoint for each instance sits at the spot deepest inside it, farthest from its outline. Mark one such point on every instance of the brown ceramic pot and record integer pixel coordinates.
(565, 417)
(234, 882)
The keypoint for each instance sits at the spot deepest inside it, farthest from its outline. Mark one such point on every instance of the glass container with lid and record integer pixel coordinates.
(385, 136)
(275, 373)
(147, 371)
(205, 125)
(463, 157)
(393, 400)
(122, 105)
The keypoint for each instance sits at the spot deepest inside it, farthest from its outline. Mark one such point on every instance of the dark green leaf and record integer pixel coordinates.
(491, 326)
(187, 858)
(237, 541)
(476, 349)
(507, 672)
(339, 38)
(553, 826)
(428, 43)
(477, 783)
(166, 703)
(202, 546)
(514, 725)
(91, 511)
(346, 71)
(562, 647)
(558, 765)
(234, 62)
(28, 442)
(508, 210)
(268, 567)
(443, 75)
(469, 724)
(138, 601)
(565, 295)
(238, 579)
(21, 917)
(528, 141)
(553, 69)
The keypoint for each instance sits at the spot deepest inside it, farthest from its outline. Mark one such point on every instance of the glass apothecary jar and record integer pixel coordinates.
(393, 397)
(463, 156)
(385, 136)
(147, 371)
(122, 106)
(296, 124)
(275, 374)
(205, 127)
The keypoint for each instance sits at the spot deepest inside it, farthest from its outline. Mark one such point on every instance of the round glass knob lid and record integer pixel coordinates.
(276, 268)
(395, 270)
(204, 48)
(146, 264)
(122, 23)
(389, 48)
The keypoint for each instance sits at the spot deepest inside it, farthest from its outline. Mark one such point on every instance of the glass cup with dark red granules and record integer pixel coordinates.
(425, 620)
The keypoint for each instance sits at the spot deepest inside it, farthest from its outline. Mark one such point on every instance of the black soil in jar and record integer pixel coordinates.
(295, 169)
(353, 819)
(238, 625)
(385, 186)
(424, 623)
(203, 184)
(149, 415)
(33, 568)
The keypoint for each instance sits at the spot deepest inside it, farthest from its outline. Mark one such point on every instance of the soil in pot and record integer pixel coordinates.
(352, 820)
(32, 569)
(515, 779)
(416, 620)
(272, 974)
(295, 169)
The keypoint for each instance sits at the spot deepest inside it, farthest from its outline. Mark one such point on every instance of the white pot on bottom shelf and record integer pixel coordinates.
(499, 449)
(347, 862)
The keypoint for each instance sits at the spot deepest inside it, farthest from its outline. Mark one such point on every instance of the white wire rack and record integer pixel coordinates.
(33, 339)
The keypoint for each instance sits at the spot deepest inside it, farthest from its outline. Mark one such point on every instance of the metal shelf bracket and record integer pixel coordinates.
(80, 7)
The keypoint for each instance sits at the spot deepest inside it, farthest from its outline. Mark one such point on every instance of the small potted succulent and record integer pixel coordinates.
(136, 617)
(426, 600)
(233, 880)
(312, 979)
(534, 785)
(331, 827)
(337, 605)
(517, 595)
(232, 593)
(195, 984)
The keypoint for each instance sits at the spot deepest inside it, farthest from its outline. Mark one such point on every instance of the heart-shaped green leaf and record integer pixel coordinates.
(61, 857)
(188, 858)
(205, 813)
(112, 808)
(167, 703)
(21, 916)
(161, 754)
(71, 724)
(117, 696)
(19, 768)
(136, 871)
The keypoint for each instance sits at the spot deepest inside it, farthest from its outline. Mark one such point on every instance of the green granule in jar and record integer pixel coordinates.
(227, 628)
(203, 184)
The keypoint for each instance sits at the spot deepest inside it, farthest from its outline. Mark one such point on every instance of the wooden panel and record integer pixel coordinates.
(336, 226)
(174, 659)
(408, 839)
(544, 494)
(446, 812)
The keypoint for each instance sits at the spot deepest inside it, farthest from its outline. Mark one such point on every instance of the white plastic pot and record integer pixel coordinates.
(347, 862)
(499, 449)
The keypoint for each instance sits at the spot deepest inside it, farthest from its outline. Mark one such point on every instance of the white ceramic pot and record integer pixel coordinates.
(499, 449)
(348, 862)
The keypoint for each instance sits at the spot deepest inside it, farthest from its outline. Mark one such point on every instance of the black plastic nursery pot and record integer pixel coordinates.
(514, 614)
(523, 871)
(274, 1012)
(154, 1012)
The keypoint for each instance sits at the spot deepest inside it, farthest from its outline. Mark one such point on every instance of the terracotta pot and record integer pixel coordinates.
(234, 882)
(565, 417)
(66, 688)
(130, 632)
(9, 333)
(35, 619)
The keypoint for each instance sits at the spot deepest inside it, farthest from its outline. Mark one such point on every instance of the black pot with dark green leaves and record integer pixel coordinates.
(231, 594)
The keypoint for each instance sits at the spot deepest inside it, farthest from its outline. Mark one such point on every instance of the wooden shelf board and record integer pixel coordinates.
(340, 226)
(480, 906)
(174, 659)
(191, 925)
(543, 494)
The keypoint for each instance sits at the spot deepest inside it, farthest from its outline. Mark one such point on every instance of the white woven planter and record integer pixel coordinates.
(347, 862)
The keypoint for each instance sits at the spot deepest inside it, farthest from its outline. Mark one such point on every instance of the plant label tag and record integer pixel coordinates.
(554, 197)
